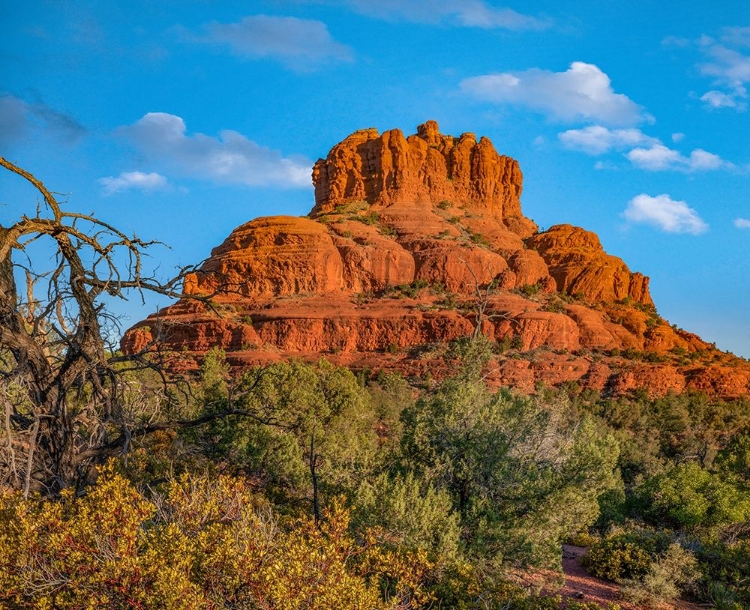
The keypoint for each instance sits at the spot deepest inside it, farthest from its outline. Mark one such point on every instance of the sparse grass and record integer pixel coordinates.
(352, 207)
(555, 305)
(479, 240)
(529, 290)
(373, 218)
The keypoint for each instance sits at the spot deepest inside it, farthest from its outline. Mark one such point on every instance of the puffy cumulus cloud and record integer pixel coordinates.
(719, 99)
(300, 44)
(133, 181)
(742, 223)
(467, 13)
(661, 158)
(229, 158)
(665, 214)
(645, 152)
(729, 68)
(597, 140)
(20, 120)
(582, 92)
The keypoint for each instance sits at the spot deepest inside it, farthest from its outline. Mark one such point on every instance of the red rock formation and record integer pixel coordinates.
(425, 168)
(411, 240)
(578, 263)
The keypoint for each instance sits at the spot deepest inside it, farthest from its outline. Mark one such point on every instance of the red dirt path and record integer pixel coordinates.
(580, 585)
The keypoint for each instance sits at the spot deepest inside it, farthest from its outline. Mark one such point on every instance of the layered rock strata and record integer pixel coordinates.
(411, 243)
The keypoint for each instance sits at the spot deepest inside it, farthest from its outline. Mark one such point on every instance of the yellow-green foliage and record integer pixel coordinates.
(203, 544)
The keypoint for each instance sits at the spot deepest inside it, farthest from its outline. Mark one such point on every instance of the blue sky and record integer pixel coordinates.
(180, 120)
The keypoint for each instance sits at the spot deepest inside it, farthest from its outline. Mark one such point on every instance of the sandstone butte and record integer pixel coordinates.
(412, 241)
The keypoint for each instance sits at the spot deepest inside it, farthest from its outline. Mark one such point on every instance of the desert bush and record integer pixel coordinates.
(585, 539)
(555, 305)
(625, 555)
(202, 543)
(726, 573)
(688, 496)
(411, 512)
(616, 559)
(672, 573)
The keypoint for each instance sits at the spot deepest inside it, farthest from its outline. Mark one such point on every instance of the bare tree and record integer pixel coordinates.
(62, 387)
(482, 297)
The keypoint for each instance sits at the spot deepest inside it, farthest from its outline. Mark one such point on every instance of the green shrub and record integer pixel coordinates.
(555, 305)
(672, 573)
(479, 240)
(373, 218)
(413, 289)
(504, 344)
(618, 557)
(411, 511)
(584, 539)
(688, 496)
(726, 573)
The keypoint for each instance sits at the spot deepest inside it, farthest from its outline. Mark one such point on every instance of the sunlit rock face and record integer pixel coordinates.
(411, 241)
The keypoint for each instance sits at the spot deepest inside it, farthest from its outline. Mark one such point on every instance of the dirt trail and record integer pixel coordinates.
(580, 585)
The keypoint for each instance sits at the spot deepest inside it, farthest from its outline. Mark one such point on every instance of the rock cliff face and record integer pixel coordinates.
(411, 242)
(419, 171)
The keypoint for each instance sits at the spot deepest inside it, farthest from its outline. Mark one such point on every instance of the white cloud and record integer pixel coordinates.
(229, 158)
(718, 99)
(645, 152)
(606, 165)
(678, 137)
(133, 181)
(20, 120)
(729, 68)
(466, 13)
(726, 64)
(660, 158)
(738, 36)
(300, 44)
(582, 92)
(665, 214)
(742, 223)
(656, 158)
(597, 140)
